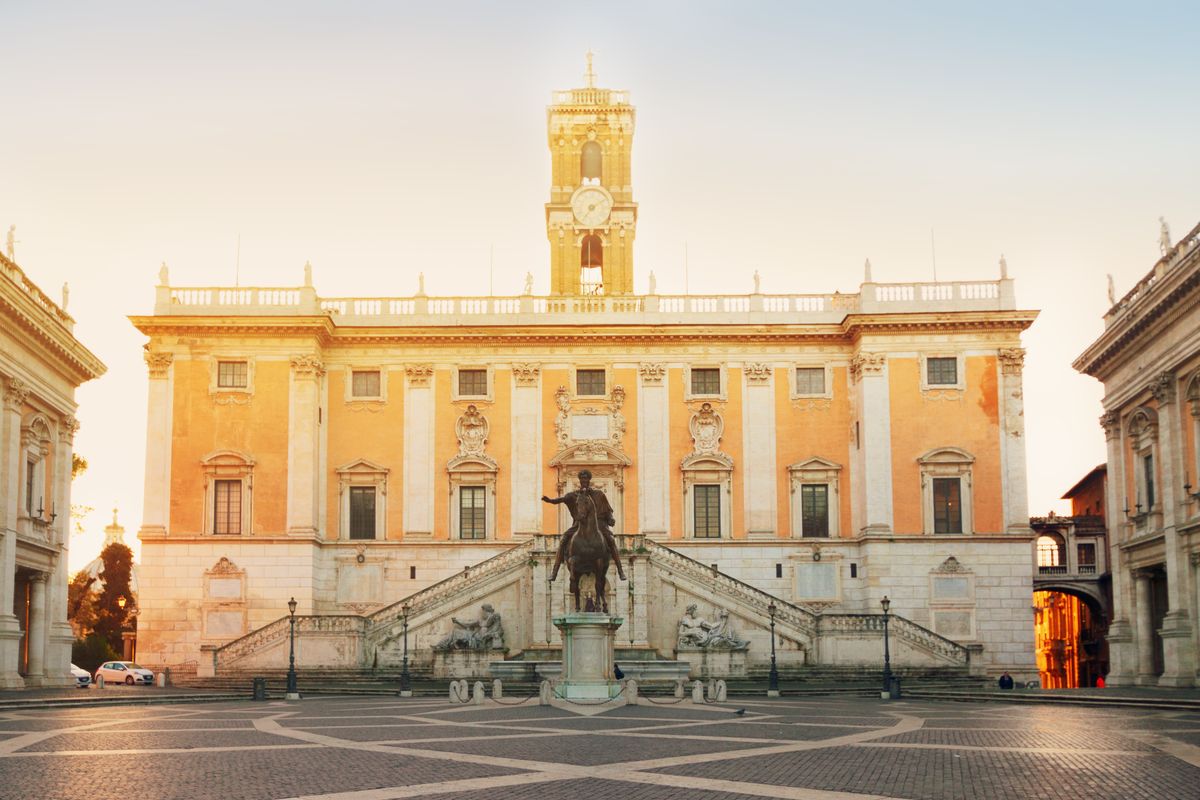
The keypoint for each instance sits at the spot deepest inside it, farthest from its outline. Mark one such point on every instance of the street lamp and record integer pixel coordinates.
(405, 678)
(292, 692)
(121, 601)
(773, 679)
(887, 657)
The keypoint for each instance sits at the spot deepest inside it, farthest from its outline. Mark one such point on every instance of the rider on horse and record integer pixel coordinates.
(604, 520)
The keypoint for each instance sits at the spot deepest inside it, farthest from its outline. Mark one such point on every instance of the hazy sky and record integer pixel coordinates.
(382, 139)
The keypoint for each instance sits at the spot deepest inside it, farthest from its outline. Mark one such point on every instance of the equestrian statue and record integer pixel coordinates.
(588, 545)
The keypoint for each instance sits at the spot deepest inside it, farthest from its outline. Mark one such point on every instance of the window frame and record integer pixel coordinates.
(821, 472)
(489, 375)
(362, 491)
(703, 470)
(586, 368)
(693, 372)
(948, 462)
(959, 372)
(348, 394)
(811, 488)
(228, 465)
(722, 371)
(358, 474)
(955, 504)
(464, 491)
(794, 381)
(707, 490)
(214, 372)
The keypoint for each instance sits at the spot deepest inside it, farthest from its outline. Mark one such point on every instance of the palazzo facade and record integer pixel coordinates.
(1149, 361)
(823, 449)
(41, 364)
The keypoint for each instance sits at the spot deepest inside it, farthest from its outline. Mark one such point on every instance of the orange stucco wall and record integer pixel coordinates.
(258, 428)
(808, 428)
(365, 430)
(970, 421)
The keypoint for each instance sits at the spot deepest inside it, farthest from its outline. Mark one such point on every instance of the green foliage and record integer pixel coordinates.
(92, 651)
(111, 619)
(81, 602)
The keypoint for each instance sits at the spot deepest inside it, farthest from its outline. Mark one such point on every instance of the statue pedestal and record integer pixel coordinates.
(714, 663)
(464, 663)
(587, 656)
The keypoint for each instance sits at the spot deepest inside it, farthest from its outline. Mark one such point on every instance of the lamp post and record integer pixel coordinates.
(773, 678)
(887, 657)
(405, 678)
(293, 693)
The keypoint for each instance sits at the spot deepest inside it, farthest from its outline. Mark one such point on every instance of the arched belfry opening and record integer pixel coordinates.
(591, 160)
(591, 265)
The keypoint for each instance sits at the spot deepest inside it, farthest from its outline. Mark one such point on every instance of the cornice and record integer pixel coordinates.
(71, 356)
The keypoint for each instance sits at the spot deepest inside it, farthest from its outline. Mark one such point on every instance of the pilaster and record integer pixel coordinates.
(16, 392)
(1144, 631)
(870, 372)
(526, 450)
(654, 451)
(1012, 441)
(760, 480)
(418, 451)
(156, 493)
(1122, 653)
(304, 393)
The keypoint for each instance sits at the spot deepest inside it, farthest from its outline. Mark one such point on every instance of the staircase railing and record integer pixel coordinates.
(787, 613)
(903, 629)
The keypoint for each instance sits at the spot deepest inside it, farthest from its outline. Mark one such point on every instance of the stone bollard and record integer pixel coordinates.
(710, 690)
(722, 693)
(497, 689)
(99, 681)
(458, 693)
(631, 692)
(698, 693)
(161, 680)
(679, 682)
(477, 695)
(545, 691)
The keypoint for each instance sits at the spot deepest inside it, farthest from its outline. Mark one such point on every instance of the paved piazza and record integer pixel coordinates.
(811, 749)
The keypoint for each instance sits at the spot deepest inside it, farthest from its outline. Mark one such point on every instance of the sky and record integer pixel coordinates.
(380, 140)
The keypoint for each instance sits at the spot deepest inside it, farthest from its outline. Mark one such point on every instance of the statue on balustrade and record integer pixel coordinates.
(486, 633)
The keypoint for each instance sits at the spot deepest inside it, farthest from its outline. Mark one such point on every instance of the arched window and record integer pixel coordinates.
(590, 160)
(591, 265)
(1051, 551)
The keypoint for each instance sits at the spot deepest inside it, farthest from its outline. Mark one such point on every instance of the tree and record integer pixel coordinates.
(79, 465)
(110, 617)
(92, 651)
(81, 602)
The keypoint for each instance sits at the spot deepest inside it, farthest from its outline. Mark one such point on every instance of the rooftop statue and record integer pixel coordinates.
(1164, 236)
(1112, 291)
(10, 244)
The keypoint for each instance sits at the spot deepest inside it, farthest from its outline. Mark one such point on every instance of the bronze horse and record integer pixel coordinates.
(588, 552)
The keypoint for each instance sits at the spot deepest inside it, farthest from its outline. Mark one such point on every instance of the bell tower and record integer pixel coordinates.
(591, 218)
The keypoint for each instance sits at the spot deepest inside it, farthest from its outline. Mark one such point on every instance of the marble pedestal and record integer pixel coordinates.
(587, 656)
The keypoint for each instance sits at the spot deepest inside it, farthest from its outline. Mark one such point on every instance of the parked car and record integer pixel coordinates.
(125, 672)
(82, 677)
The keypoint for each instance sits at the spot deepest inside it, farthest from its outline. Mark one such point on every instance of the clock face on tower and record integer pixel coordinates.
(591, 205)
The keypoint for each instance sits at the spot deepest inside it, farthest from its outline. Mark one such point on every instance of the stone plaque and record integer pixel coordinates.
(360, 583)
(589, 426)
(225, 588)
(815, 581)
(953, 624)
(220, 624)
(951, 589)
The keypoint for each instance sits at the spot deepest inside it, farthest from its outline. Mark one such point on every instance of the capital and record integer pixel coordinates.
(1163, 387)
(758, 374)
(67, 429)
(652, 374)
(419, 374)
(307, 366)
(527, 374)
(1012, 360)
(1111, 422)
(158, 363)
(16, 392)
(865, 364)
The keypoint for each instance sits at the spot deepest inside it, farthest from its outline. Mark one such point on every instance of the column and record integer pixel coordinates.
(875, 441)
(760, 479)
(16, 392)
(1122, 654)
(37, 628)
(1144, 629)
(526, 450)
(1179, 652)
(654, 452)
(1012, 441)
(156, 494)
(304, 395)
(418, 451)
(59, 633)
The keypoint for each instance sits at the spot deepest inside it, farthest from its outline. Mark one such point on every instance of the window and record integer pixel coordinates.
(227, 507)
(947, 505)
(814, 510)
(942, 371)
(708, 512)
(472, 383)
(362, 512)
(472, 509)
(591, 265)
(706, 380)
(590, 161)
(1086, 552)
(810, 380)
(30, 472)
(1049, 551)
(365, 383)
(589, 382)
(233, 375)
(1148, 477)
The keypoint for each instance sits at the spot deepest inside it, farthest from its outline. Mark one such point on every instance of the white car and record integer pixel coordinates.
(125, 672)
(82, 677)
